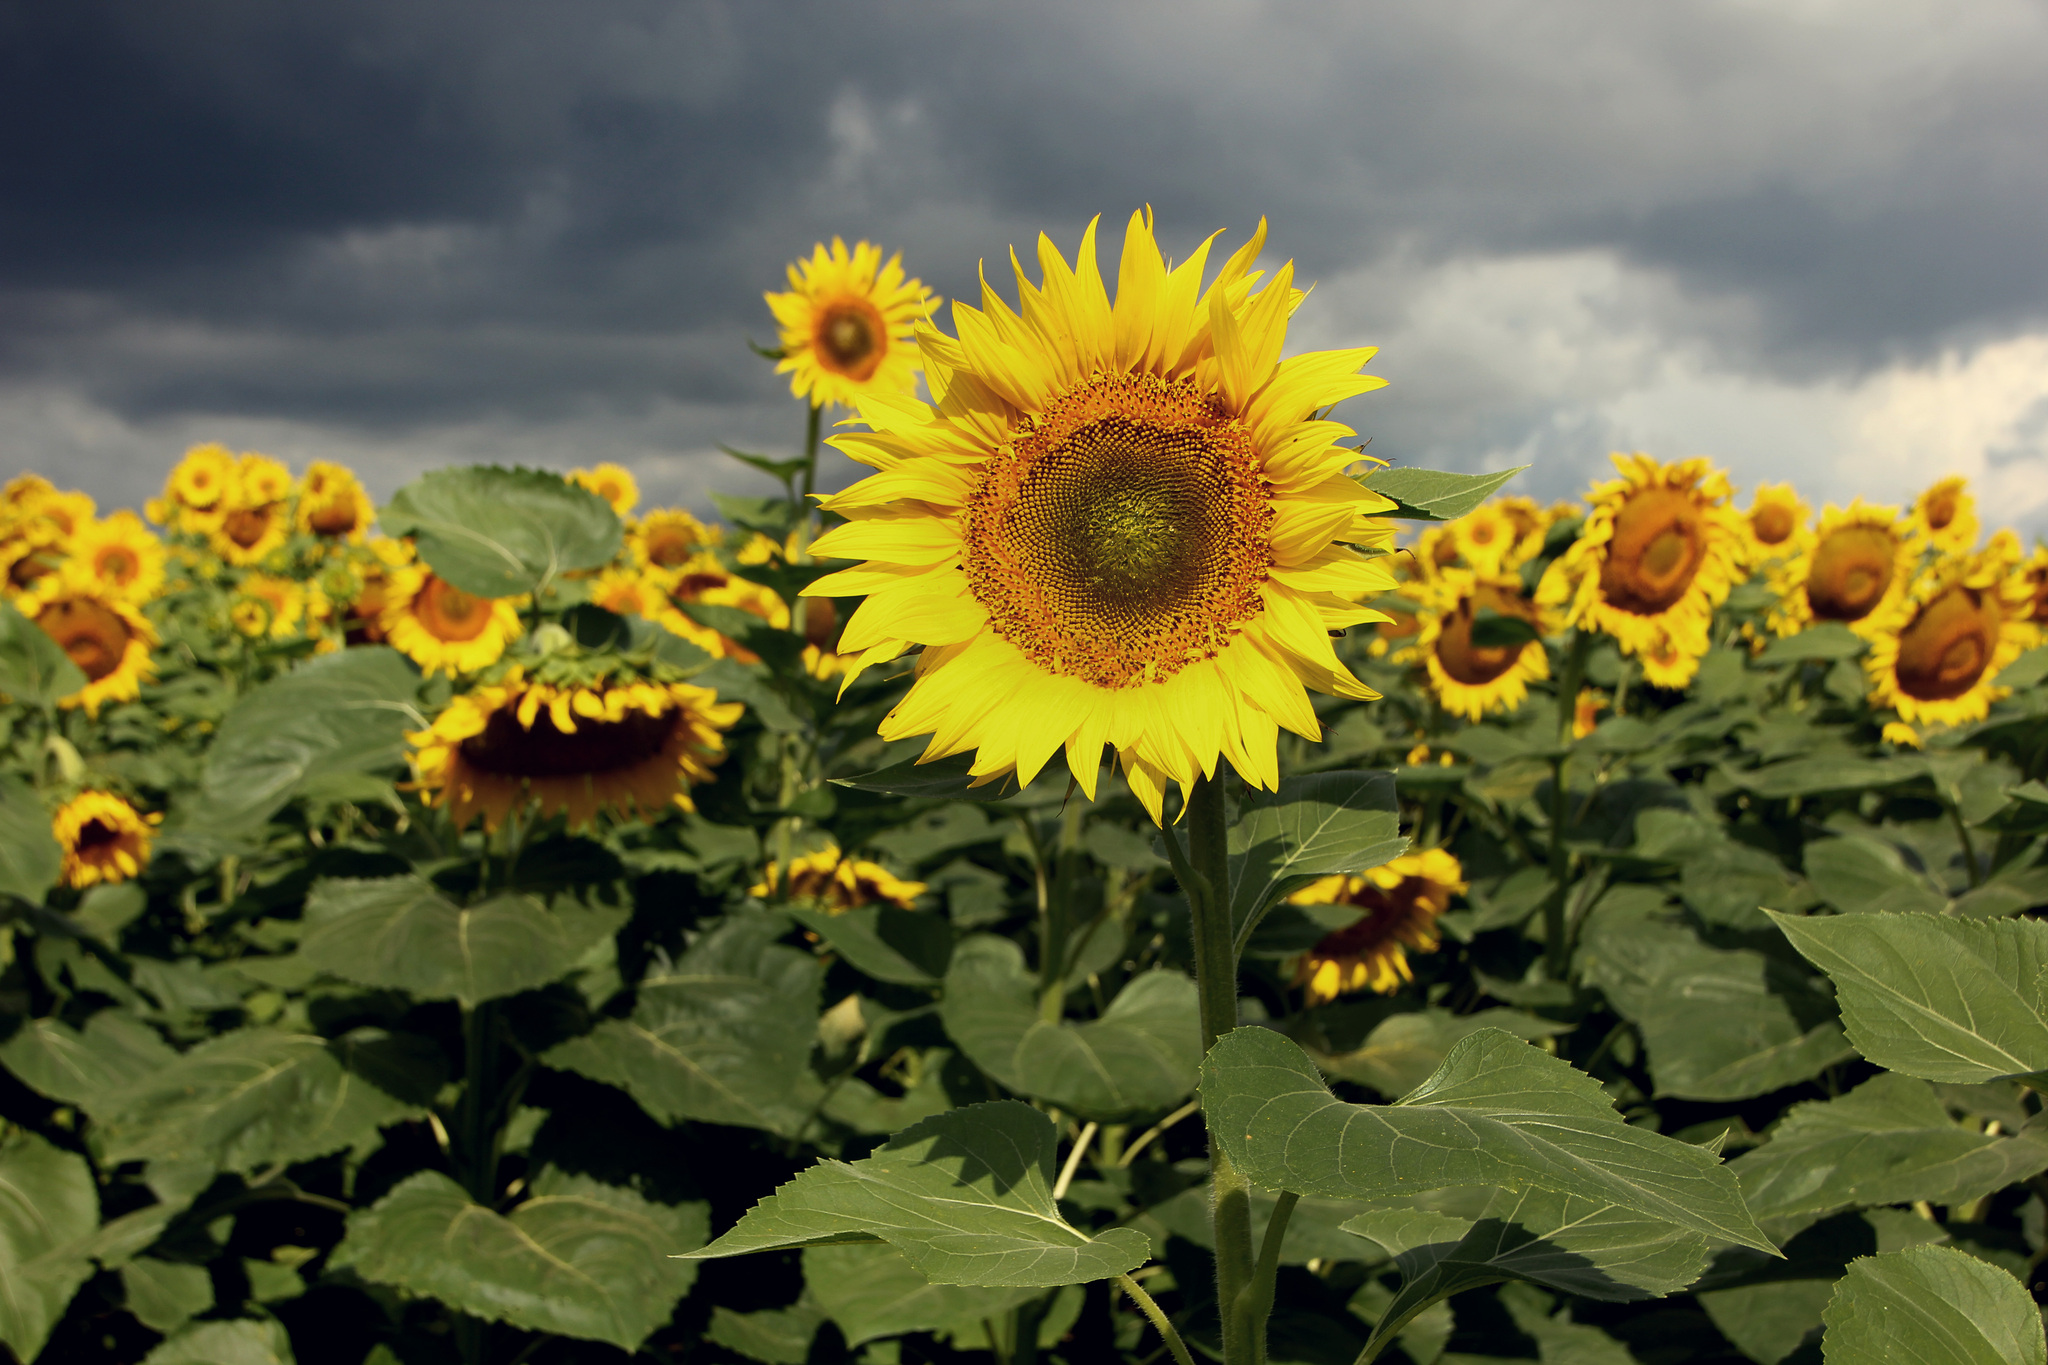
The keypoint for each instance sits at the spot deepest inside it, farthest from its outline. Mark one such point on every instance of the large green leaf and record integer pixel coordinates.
(871, 1290)
(1720, 1024)
(501, 532)
(1140, 1057)
(258, 1096)
(165, 1295)
(244, 1341)
(90, 1067)
(1315, 1230)
(1404, 1050)
(1498, 1114)
(1861, 875)
(1435, 494)
(48, 1206)
(943, 779)
(34, 669)
(1828, 773)
(1314, 826)
(774, 1336)
(903, 947)
(30, 858)
(966, 1196)
(1889, 1141)
(400, 933)
(1943, 999)
(724, 1036)
(577, 1258)
(1931, 1306)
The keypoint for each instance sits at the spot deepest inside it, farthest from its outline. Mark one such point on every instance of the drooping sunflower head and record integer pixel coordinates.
(612, 482)
(1946, 515)
(104, 839)
(836, 883)
(1776, 522)
(634, 748)
(1119, 524)
(1398, 903)
(1936, 656)
(333, 504)
(120, 555)
(442, 628)
(1854, 569)
(847, 324)
(1472, 677)
(667, 538)
(101, 632)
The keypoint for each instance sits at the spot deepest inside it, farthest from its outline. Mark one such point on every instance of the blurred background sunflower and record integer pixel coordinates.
(1398, 905)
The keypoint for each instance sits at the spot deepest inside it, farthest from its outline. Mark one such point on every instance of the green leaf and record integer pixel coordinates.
(48, 1205)
(1314, 826)
(30, 857)
(1888, 1141)
(1825, 642)
(1727, 883)
(1862, 875)
(256, 1097)
(903, 947)
(1140, 1057)
(1933, 1306)
(1316, 1231)
(34, 669)
(966, 1196)
(1828, 773)
(245, 1341)
(1494, 630)
(400, 933)
(774, 1336)
(1938, 998)
(871, 1290)
(577, 1258)
(2023, 672)
(499, 532)
(945, 779)
(165, 1295)
(1497, 1114)
(86, 1068)
(1404, 1050)
(1435, 494)
(1720, 1024)
(722, 1037)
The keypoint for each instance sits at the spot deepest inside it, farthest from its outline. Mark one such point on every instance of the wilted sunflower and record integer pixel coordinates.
(1937, 654)
(1945, 516)
(1658, 552)
(665, 540)
(333, 504)
(102, 633)
(846, 325)
(837, 883)
(1120, 524)
(1400, 901)
(103, 837)
(1775, 521)
(121, 556)
(614, 483)
(442, 628)
(1854, 569)
(629, 748)
(1472, 679)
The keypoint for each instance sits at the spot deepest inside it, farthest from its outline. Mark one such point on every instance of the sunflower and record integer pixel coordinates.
(634, 747)
(1586, 712)
(1120, 524)
(1400, 901)
(1485, 538)
(101, 632)
(363, 622)
(1937, 652)
(614, 483)
(247, 534)
(705, 578)
(846, 325)
(1469, 679)
(2035, 573)
(271, 606)
(1775, 522)
(442, 628)
(1853, 569)
(202, 482)
(103, 837)
(1658, 552)
(1436, 548)
(629, 593)
(1945, 516)
(668, 538)
(333, 504)
(120, 555)
(37, 523)
(837, 883)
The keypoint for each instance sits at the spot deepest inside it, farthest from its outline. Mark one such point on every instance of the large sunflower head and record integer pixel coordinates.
(667, 539)
(1775, 522)
(633, 747)
(442, 628)
(1398, 903)
(612, 482)
(1853, 569)
(1937, 654)
(103, 837)
(847, 324)
(1469, 678)
(836, 883)
(333, 504)
(1658, 552)
(1118, 524)
(120, 555)
(101, 632)
(1945, 516)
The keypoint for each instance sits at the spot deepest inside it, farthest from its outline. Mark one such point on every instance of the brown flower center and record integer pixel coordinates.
(1945, 650)
(30, 567)
(1658, 546)
(1386, 913)
(97, 834)
(336, 518)
(1941, 510)
(508, 749)
(1124, 533)
(1852, 568)
(449, 613)
(851, 338)
(2037, 579)
(95, 638)
(669, 547)
(248, 525)
(116, 564)
(1772, 523)
(820, 621)
(1477, 665)
(1404, 626)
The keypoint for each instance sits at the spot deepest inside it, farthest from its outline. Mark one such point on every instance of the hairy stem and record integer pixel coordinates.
(1256, 1303)
(1160, 1322)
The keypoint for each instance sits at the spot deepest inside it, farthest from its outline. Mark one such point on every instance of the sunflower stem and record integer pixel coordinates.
(811, 429)
(1556, 951)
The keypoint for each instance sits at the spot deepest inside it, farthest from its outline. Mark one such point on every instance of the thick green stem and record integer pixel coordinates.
(1556, 951)
(811, 455)
(1970, 865)
(1160, 1322)
(479, 1135)
(1256, 1305)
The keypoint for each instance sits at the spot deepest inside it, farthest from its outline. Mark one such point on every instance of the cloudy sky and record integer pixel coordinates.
(1805, 237)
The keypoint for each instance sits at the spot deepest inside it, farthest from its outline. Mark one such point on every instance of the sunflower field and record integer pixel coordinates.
(1131, 878)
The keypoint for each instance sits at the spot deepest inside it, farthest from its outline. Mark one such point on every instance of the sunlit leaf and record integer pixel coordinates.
(501, 532)
(1933, 1306)
(1435, 494)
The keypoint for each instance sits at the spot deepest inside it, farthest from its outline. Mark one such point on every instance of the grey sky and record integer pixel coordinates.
(1804, 237)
